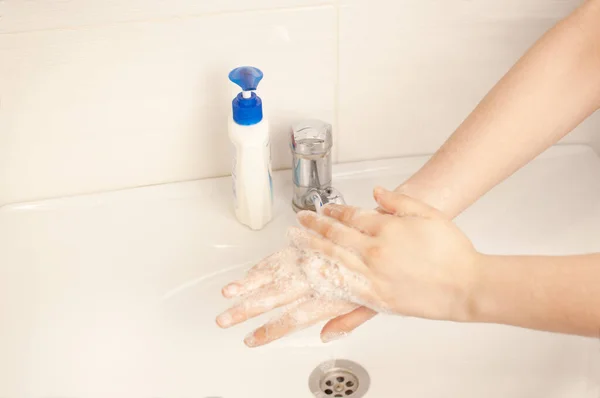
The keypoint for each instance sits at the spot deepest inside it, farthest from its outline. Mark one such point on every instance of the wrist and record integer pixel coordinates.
(438, 198)
(467, 294)
(484, 298)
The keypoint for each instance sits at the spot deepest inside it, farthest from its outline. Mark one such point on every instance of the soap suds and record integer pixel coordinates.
(309, 285)
(307, 240)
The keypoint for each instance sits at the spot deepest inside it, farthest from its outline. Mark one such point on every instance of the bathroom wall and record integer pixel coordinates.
(103, 95)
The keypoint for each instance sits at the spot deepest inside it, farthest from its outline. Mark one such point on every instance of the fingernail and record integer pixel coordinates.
(232, 289)
(380, 191)
(332, 336)
(250, 340)
(224, 319)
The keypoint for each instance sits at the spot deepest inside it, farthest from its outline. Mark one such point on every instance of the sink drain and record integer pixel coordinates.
(339, 378)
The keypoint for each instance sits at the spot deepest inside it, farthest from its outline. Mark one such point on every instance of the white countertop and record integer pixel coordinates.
(115, 294)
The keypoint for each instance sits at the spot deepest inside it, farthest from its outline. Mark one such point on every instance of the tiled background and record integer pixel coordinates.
(106, 94)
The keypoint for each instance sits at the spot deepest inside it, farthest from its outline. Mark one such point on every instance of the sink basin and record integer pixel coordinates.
(115, 295)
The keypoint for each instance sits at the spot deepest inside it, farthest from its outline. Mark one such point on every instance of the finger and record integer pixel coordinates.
(272, 296)
(334, 271)
(254, 280)
(334, 231)
(345, 324)
(402, 205)
(381, 211)
(333, 280)
(303, 239)
(262, 273)
(366, 221)
(297, 318)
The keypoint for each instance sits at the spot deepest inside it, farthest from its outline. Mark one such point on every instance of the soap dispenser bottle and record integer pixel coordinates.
(249, 133)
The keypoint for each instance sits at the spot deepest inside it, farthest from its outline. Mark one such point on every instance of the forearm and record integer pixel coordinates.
(553, 88)
(559, 294)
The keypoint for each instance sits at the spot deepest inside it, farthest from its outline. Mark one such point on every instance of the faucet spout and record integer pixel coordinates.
(311, 142)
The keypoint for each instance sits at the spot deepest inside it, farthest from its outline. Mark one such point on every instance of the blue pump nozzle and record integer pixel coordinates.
(247, 106)
(247, 77)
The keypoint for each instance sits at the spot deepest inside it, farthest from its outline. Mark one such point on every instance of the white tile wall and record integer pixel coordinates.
(101, 95)
(123, 105)
(425, 64)
(27, 15)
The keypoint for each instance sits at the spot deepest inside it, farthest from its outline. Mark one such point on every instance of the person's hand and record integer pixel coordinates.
(318, 288)
(413, 262)
(344, 324)
(282, 279)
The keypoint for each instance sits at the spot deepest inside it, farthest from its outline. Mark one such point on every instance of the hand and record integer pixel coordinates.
(282, 280)
(344, 324)
(311, 284)
(415, 262)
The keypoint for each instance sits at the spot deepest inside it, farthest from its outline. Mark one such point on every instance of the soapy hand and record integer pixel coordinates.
(413, 261)
(284, 279)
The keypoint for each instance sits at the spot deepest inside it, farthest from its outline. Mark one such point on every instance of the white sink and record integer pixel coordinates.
(115, 295)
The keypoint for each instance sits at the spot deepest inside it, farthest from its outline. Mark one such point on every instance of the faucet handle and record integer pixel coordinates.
(311, 138)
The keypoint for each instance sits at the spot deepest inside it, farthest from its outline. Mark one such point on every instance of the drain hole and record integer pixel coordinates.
(339, 379)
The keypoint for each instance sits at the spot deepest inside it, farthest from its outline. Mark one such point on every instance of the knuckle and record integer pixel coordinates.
(375, 252)
(348, 323)
(261, 335)
(348, 214)
(240, 314)
(351, 214)
(345, 325)
(327, 230)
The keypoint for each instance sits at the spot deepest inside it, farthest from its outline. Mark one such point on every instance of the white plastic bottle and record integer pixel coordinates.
(249, 133)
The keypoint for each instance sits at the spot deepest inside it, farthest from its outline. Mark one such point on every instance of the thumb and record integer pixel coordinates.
(401, 205)
(345, 324)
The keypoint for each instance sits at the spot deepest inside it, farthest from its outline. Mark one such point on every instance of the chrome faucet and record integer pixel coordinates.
(311, 142)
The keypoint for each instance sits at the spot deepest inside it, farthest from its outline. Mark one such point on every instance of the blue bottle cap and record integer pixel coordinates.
(247, 106)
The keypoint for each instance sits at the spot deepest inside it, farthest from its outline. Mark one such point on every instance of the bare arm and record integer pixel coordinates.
(551, 90)
(558, 294)
(424, 266)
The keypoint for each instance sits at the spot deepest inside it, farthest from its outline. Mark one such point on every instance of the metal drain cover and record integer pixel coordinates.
(339, 378)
